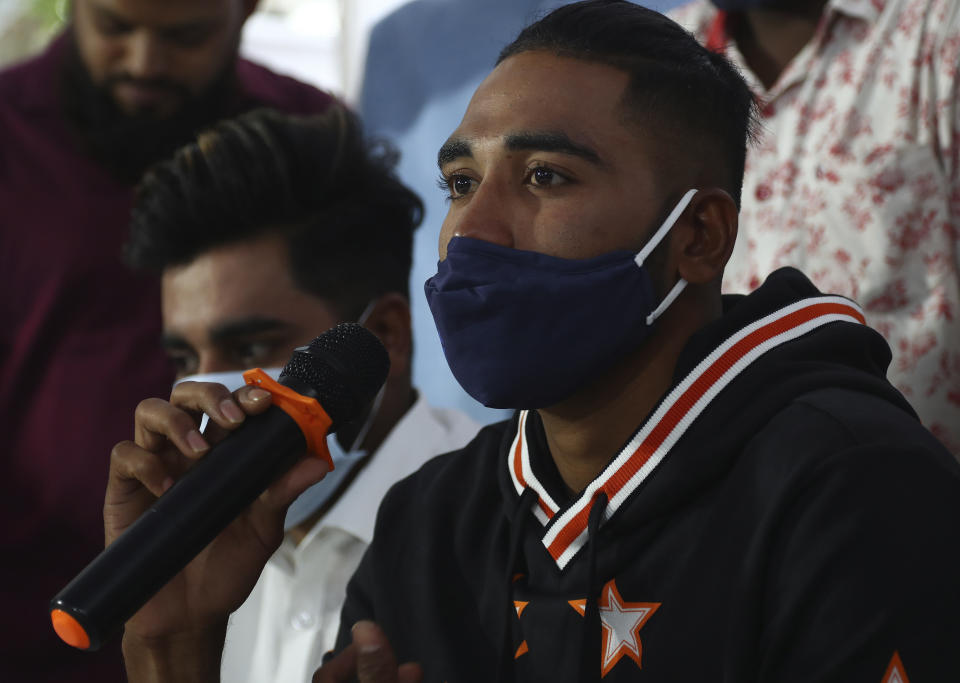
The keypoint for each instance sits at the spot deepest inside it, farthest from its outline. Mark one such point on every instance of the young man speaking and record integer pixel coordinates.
(694, 487)
(267, 231)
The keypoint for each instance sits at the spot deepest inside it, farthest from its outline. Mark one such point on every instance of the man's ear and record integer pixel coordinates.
(389, 319)
(705, 238)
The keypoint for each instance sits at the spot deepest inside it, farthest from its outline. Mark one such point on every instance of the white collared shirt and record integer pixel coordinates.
(856, 180)
(292, 616)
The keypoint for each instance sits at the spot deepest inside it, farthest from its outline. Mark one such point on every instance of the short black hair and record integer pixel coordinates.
(690, 97)
(315, 180)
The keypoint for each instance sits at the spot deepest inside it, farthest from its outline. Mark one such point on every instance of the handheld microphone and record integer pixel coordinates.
(325, 385)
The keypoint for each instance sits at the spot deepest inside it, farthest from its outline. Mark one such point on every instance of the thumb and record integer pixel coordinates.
(410, 673)
(375, 660)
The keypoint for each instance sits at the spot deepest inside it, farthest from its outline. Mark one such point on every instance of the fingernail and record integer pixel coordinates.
(369, 628)
(258, 394)
(197, 442)
(231, 410)
(167, 483)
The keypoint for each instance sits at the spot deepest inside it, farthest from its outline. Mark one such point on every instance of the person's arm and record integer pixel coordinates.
(189, 657)
(178, 634)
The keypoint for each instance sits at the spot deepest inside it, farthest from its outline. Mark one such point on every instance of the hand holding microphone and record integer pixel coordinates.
(182, 562)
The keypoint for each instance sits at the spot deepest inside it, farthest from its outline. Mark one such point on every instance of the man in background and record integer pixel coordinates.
(856, 178)
(128, 82)
(268, 231)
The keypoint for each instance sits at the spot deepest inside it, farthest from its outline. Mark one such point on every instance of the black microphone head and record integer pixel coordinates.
(343, 369)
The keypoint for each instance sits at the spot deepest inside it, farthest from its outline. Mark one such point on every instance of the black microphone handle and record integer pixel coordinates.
(182, 522)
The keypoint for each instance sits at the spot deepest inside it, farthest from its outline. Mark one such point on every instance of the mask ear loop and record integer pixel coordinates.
(669, 299)
(378, 399)
(367, 311)
(374, 409)
(652, 244)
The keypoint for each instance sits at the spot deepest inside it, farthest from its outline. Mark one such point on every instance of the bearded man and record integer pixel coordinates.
(127, 83)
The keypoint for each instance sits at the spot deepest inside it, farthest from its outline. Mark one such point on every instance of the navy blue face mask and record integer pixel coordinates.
(525, 330)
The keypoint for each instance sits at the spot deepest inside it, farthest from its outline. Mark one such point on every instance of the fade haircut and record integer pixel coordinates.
(348, 221)
(679, 92)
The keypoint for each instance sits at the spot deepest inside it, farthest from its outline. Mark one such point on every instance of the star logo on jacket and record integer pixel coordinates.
(895, 671)
(621, 622)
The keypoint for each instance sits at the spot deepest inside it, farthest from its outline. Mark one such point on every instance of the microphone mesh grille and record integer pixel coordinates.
(345, 366)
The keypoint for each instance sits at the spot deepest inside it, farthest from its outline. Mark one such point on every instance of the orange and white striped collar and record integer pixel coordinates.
(565, 531)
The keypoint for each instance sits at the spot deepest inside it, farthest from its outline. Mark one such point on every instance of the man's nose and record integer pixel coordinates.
(145, 56)
(487, 216)
(210, 363)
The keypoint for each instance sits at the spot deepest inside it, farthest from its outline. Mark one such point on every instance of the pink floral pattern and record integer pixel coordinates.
(856, 181)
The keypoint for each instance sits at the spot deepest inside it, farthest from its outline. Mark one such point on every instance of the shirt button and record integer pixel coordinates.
(303, 620)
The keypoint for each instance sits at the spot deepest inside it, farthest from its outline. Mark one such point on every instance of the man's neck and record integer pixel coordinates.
(587, 430)
(769, 39)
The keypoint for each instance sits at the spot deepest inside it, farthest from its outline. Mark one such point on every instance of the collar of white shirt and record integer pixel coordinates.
(421, 433)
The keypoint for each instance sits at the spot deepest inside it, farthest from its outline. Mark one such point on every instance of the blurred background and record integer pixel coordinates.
(406, 87)
(322, 42)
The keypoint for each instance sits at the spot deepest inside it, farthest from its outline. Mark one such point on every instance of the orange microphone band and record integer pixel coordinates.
(305, 411)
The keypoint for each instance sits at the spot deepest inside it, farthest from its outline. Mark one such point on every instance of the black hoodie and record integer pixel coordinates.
(781, 516)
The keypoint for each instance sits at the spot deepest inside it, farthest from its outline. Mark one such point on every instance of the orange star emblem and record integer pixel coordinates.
(895, 672)
(621, 622)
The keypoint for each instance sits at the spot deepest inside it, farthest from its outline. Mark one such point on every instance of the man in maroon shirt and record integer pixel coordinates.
(128, 82)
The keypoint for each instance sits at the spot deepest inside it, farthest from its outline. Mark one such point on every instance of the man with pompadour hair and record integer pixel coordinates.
(315, 183)
(267, 231)
(693, 487)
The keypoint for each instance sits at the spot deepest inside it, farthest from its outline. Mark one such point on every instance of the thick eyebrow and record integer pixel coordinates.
(198, 26)
(232, 329)
(543, 141)
(245, 327)
(454, 148)
(173, 342)
(552, 141)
